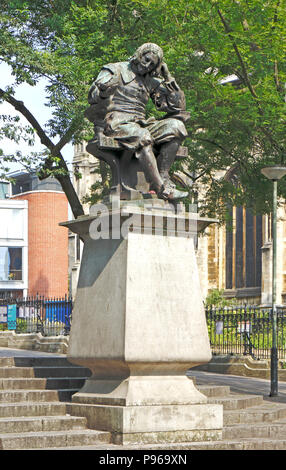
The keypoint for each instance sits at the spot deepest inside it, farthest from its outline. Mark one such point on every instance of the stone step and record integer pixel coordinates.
(261, 430)
(267, 412)
(214, 390)
(43, 361)
(53, 362)
(49, 383)
(14, 396)
(33, 412)
(66, 394)
(9, 410)
(73, 383)
(236, 401)
(241, 444)
(228, 359)
(22, 383)
(41, 423)
(230, 444)
(42, 372)
(14, 372)
(52, 439)
(59, 371)
(6, 361)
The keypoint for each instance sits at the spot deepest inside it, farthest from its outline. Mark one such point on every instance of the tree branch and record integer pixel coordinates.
(19, 106)
(247, 80)
(64, 179)
(276, 72)
(243, 68)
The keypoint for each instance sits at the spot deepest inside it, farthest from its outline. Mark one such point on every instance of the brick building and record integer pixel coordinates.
(46, 260)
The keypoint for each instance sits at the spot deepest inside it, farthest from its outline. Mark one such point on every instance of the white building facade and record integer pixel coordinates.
(13, 248)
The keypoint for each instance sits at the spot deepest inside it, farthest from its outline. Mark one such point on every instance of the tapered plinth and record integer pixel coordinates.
(139, 324)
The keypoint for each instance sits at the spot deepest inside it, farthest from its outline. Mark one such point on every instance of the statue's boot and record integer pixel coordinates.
(170, 193)
(165, 190)
(165, 160)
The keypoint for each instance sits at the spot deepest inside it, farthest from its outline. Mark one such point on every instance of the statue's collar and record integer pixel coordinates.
(126, 73)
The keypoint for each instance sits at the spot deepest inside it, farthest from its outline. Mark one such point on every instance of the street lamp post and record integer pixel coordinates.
(274, 173)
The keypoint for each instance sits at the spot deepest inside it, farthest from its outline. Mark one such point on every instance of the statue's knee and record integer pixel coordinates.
(179, 129)
(145, 138)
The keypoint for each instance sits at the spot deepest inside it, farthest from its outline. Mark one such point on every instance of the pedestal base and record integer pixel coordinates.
(139, 324)
(153, 424)
(140, 390)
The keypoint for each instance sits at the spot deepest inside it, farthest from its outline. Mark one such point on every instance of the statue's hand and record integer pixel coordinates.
(106, 90)
(170, 83)
(165, 71)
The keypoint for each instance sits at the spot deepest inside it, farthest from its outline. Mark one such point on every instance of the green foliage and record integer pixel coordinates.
(240, 327)
(215, 298)
(239, 126)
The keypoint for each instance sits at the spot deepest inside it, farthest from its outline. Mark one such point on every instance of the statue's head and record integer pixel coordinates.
(148, 59)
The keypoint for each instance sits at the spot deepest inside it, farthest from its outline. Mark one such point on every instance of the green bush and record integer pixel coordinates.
(216, 298)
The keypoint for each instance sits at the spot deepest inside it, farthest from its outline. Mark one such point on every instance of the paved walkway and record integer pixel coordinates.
(8, 352)
(237, 384)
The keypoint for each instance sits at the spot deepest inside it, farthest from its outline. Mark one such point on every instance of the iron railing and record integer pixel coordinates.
(245, 330)
(232, 330)
(49, 316)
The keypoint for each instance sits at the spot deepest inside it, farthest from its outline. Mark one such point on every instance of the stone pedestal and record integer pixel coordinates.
(139, 324)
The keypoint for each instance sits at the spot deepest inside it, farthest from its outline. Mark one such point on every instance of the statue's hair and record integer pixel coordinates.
(148, 47)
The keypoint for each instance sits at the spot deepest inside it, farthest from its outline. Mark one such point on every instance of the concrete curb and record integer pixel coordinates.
(243, 366)
(34, 341)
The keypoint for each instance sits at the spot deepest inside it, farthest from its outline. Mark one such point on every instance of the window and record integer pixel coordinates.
(10, 263)
(12, 221)
(4, 190)
(243, 250)
(77, 248)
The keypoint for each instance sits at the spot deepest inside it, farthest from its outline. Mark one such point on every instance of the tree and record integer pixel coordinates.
(32, 44)
(236, 126)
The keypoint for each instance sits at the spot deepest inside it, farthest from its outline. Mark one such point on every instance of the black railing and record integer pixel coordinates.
(49, 316)
(245, 330)
(232, 330)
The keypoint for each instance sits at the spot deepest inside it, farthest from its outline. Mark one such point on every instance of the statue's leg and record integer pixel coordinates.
(167, 134)
(167, 157)
(164, 190)
(148, 161)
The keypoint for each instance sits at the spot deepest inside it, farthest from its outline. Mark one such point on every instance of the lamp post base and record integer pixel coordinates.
(274, 373)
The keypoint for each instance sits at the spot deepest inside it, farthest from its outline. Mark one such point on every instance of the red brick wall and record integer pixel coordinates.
(47, 243)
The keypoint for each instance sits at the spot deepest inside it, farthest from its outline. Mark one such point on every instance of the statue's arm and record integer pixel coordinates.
(103, 86)
(167, 95)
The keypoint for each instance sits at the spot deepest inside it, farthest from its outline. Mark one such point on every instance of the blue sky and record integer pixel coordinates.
(34, 99)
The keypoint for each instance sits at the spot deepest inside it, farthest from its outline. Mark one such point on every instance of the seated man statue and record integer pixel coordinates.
(118, 99)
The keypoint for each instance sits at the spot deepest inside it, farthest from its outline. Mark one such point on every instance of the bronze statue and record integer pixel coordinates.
(124, 138)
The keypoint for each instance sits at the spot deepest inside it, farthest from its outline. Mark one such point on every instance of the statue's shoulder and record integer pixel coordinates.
(116, 67)
(122, 69)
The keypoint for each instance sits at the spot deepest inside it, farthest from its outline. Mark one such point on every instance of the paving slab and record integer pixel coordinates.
(237, 384)
(9, 352)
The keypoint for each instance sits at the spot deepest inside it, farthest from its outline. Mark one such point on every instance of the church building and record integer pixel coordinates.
(236, 259)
